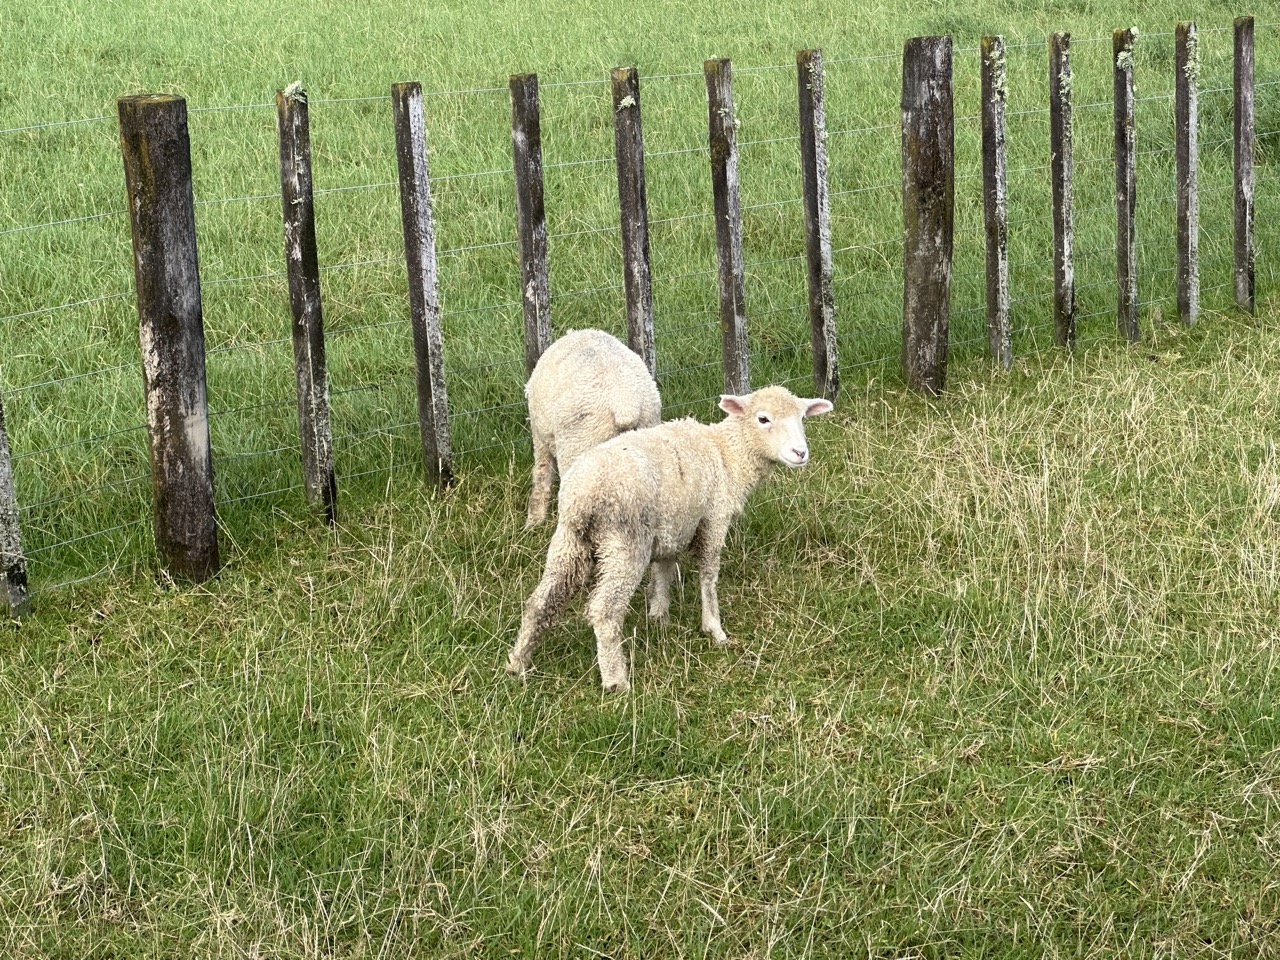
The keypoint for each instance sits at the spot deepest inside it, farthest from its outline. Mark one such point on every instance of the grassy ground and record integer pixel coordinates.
(1004, 684)
(1004, 679)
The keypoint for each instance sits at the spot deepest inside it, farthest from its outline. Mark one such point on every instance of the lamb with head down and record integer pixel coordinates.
(585, 389)
(648, 496)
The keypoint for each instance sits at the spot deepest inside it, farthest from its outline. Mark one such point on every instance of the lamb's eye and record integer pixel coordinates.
(763, 419)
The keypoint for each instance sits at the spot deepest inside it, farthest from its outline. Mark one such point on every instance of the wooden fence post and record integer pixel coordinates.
(722, 127)
(303, 267)
(531, 217)
(995, 198)
(1060, 163)
(11, 555)
(157, 166)
(633, 208)
(1186, 67)
(928, 210)
(424, 297)
(1122, 42)
(817, 223)
(1244, 146)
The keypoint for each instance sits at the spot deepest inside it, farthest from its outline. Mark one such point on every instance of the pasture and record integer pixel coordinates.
(1004, 672)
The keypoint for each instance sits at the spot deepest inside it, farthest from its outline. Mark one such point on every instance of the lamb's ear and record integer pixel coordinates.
(814, 407)
(731, 404)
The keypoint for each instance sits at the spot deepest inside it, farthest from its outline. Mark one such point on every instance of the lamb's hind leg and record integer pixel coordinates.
(620, 566)
(568, 563)
(661, 574)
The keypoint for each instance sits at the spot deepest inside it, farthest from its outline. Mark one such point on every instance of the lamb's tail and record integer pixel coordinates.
(632, 411)
(571, 554)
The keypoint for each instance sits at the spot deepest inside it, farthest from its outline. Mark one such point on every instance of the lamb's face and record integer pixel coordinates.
(773, 422)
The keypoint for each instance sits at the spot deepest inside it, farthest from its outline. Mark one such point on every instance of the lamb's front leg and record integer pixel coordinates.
(708, 546)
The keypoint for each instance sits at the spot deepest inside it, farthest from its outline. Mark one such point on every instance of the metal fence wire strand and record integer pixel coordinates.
(486, 370)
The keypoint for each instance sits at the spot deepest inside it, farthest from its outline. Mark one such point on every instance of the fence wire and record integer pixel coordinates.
(69, 365)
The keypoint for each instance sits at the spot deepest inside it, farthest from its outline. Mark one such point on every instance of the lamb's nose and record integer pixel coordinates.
(801, 454)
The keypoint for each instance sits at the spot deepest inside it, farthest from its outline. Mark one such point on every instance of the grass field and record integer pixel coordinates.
(1004, 675)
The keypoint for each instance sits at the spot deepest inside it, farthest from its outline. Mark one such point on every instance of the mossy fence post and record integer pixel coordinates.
(633, 213)
(1060, 175)
(722, 133)
(928, 210)
(817, 223)
(157, 165)
(302, 266)
(531, 217)
(424, 296)
(1243, 138)
(995, 199)
(11, 555)
(1186, 67)
(1126, 152)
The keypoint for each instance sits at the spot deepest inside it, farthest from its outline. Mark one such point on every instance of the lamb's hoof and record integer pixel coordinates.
(531, 522)
(618, 686)
(515, 668)
(660, 617)
(720, 638)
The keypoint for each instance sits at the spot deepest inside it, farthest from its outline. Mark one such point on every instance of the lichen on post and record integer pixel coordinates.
(1186, 136)
(633, 211)
(531, 217)
(722, 132)
(303, 268)
(1061, 177)
(1244, 139)
(157, 164)
(928, 210)
(817, 223)
(11, 556)
(1126, 184)
(995, 196)
(424, 296)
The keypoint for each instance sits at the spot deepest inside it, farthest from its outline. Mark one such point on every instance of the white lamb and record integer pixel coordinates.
(647, 496)
(587, 388)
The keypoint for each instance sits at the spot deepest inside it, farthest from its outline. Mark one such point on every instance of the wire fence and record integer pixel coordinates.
(69, 367)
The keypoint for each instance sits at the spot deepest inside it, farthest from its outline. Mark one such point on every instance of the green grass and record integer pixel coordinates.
(1004, 684)
(1004, 681)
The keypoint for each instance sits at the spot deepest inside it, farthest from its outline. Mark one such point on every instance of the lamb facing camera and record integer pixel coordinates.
(647, 496)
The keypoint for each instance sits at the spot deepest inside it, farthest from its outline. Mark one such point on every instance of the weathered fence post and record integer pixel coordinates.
(303, 267)
(1186, 67)
(633, 208)
(11, 555)
(1126, 183)
(722, 127)
(424, 297)
(531, 217)
(996, 200)
(1244, 144)
(157, 167)
(928, 210)
(1060, 163)
(817, 223)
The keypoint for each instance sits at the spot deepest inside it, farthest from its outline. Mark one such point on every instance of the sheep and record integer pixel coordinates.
(647, 496)
(586, 388)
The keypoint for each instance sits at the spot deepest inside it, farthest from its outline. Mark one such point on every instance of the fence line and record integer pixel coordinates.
(785, 339)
